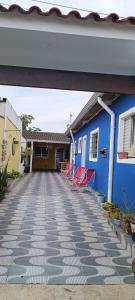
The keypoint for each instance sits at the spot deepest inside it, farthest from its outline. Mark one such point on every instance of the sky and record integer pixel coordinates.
(52, 108)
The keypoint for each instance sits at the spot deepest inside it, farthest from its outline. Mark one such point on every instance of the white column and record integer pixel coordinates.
(31, 157)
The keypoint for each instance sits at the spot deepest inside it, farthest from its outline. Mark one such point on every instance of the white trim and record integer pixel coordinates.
(91, 133)
(84, 138)
(126, 161)
(48, 141)
(71, 153)
(122, 116)
(79, 148)
(31, 157)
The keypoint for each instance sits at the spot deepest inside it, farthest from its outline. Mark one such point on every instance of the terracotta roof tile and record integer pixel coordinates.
(113, 17)
(47, 136)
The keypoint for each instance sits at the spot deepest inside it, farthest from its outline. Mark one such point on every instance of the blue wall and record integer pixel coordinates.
(124, 174)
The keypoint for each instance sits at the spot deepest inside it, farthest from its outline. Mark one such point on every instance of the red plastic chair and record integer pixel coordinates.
(79, 175)
(89, 176)
(68, 170)
(63, 172)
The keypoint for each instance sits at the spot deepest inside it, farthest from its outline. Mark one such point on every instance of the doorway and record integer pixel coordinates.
(59, 158)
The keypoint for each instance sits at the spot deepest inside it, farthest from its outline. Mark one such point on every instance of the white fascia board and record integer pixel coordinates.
(7, 110)
(47, 141)
(70, 26)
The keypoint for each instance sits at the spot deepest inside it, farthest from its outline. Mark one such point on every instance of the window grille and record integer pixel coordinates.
(79, 145)
(126, 135)
(129, 133)
(41, 151)
(94, 145)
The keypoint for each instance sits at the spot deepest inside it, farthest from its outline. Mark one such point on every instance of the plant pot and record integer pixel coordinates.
(116, 222)
(123, 155)
(100, 199)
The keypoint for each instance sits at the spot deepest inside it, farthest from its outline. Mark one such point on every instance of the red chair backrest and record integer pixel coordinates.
(71, 167)
(79, 172)
(89, 174)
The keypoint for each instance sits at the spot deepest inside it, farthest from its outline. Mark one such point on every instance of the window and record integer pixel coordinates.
(79, 145)
(126, 136)
(93, 151)
(75, 148)
(41, 151)
(128, 133)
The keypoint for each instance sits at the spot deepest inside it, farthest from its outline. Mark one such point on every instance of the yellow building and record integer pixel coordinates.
(48, 150)
(10, 136)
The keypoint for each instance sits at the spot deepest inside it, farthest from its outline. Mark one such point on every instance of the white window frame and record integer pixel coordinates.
(84, 138)
(122, 117)
(71, 153)
(91, 134)
(76, 148)
(80, 145)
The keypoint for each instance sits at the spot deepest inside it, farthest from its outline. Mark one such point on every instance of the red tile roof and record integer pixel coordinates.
(113, 17)
(46, 136)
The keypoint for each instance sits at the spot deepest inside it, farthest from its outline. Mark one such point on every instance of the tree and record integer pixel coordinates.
(26, 121)
(33, 129)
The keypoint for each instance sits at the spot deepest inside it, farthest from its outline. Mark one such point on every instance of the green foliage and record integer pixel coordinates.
(14, 174)
(3, 181)
(34, 129)
(116, 215)
(107, 205)
(26, 121)
(127, 207)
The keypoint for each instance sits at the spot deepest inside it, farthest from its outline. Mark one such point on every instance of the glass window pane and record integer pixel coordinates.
(44, 151)
(38, 151)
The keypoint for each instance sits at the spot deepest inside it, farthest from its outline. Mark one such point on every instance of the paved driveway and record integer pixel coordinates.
(50, 234)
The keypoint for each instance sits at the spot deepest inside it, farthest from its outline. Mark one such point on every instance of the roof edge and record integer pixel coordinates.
(90, 110)
(112, 17)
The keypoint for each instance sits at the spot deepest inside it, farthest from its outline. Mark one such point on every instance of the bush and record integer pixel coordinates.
(3, 181)
(14, 174)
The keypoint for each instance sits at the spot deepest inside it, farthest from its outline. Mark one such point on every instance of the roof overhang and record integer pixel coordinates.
(47, 141)
(90, 110)
(52, 41)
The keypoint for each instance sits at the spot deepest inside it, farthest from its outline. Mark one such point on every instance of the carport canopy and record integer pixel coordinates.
(53, 50)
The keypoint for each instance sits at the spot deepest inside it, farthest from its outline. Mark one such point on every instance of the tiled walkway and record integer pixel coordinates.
(50, 234)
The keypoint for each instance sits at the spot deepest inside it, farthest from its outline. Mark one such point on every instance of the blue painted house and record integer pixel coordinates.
(104, 139)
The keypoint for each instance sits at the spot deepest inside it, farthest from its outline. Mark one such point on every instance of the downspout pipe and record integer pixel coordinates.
(71, 133)
(111, 152)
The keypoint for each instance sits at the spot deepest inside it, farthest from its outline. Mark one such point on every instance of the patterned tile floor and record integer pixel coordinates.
(50, 234)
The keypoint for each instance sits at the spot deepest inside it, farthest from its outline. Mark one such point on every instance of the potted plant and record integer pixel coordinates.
(116, 216)
(100, 198)
(123, 155)
(125, 223)
(127, 215)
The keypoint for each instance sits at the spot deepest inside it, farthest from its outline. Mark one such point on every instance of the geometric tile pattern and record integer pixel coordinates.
(52, 234)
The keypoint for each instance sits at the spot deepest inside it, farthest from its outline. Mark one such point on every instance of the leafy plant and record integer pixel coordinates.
(127, 207)
(14, 174)
(3, 181)
(116, 215)
(107, 205)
